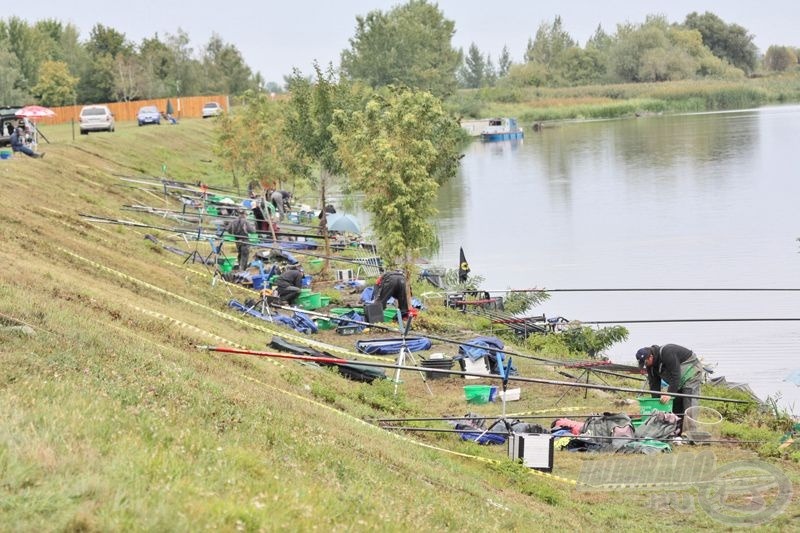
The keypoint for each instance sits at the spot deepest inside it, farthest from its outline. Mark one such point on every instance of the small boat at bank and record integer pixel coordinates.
(502, 129)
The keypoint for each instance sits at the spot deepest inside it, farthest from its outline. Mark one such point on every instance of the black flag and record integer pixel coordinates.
(463, 267)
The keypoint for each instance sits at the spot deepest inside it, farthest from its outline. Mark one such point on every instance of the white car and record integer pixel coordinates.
(211, 109)
(96, 118)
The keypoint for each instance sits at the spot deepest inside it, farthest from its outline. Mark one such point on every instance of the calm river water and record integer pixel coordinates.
(691, 201)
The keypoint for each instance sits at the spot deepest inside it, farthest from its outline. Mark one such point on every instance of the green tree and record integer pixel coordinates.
(263, 154)
(11, 92)
(550, 42)
(56, 86)
(473, 72)
(730, 42)
(225, 69)
(29, 46)
(308, 124)
(504, 63)
(410, 45)
(98, 81)
(398, 149)
(779, 58)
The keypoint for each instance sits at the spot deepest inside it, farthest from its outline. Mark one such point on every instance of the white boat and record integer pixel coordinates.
(501, 129)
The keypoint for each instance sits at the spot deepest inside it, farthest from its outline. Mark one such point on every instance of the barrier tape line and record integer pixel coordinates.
(404, 438)
(258, 327)
(240, 321)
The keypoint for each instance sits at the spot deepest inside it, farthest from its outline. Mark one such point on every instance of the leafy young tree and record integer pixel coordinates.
(252, 143)
(56, 86)
(410, 45)
(308, 125)
(397, 150)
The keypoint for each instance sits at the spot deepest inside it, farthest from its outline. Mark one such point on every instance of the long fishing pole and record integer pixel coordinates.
(187, 231)
(633, 289)
(434, 337)
(339, 361)
(159, 181)
(587, 437)
(193, 219)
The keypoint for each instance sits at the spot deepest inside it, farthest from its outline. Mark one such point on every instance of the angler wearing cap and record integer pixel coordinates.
(679, 367)
(289, 283)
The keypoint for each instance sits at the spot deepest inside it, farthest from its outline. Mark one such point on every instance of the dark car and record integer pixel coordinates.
(148, 114)
(8, 121)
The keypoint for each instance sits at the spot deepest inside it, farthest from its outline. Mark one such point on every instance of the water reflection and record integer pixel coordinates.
(703, 200)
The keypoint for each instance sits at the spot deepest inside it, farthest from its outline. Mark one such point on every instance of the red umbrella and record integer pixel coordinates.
(35, 111)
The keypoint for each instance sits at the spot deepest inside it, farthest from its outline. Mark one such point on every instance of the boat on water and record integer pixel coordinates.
(502, 129)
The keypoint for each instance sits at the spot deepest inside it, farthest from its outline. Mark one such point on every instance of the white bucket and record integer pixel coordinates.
(701, 424)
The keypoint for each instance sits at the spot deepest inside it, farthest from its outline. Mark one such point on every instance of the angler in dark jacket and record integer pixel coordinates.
(240, 228)
(393, 285)
(289, 283)
(676, 365)
(18, 144)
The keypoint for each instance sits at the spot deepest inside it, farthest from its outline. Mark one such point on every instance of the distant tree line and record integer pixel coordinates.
(49, 63)
(410, 45)
(702, 46)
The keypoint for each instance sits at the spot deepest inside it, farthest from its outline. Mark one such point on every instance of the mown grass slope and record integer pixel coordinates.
(114, 420)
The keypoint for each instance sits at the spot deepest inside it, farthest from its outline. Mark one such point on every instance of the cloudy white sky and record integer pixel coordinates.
(275, 36)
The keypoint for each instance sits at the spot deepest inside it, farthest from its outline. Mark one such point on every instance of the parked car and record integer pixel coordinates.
(8, 121)
(96, 118)
(148, 114)
(211, 109)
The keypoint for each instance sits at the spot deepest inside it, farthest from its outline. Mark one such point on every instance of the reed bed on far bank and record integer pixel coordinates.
(536, 104)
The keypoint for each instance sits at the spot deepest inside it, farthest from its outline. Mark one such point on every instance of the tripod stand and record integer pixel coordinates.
(195, 255)
(405, 353)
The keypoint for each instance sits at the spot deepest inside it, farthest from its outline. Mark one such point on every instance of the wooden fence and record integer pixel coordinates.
(182, 107)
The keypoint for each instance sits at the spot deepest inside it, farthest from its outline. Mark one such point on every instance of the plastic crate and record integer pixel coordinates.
(649, 405)
(477, 393)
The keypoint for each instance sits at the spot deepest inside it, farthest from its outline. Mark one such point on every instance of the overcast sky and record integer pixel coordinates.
(274, 36)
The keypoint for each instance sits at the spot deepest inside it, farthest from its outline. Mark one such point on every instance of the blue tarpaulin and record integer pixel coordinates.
(392, 346)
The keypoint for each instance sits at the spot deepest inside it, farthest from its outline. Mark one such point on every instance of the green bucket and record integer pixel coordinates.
(226, 265)
(310, 301)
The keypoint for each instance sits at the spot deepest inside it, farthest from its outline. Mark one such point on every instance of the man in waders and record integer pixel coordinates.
(679, 367)
(240, 228)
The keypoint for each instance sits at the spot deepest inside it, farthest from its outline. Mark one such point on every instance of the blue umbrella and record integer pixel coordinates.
(343, 223)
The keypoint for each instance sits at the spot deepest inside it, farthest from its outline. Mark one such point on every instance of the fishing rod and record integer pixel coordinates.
(687, 440)
(153, 179)
(194, 219)
(467, 419)
(339, 361)
(674, 320)
(653, 289)
(434, 337)
(105, 220)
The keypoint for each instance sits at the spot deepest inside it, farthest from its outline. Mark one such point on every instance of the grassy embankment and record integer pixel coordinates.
(113, 420)
(539, 104)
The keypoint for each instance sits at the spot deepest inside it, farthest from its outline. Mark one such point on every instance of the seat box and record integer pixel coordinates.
(536, 451)
(373, 312)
